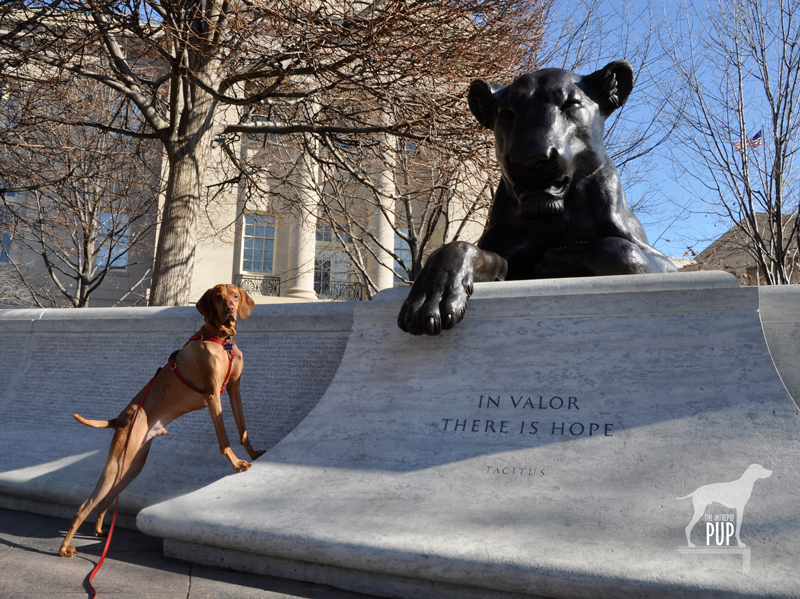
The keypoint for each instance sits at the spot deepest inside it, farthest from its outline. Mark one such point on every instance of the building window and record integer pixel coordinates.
(112, 240)
(327, 236)
(404, 145)
(333, 271)
(402, 251)
(259, 243)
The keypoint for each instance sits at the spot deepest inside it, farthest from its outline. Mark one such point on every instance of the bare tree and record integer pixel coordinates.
(445, 183)
(79, 203)
(740, 63)
(424, 183)
(435, 195)
(196, 70)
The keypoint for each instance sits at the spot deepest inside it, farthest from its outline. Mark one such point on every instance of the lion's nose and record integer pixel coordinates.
(532, 160)
(548, 157)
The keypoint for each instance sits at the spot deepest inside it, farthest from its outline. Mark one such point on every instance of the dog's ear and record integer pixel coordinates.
(610, 86)
(483, 99)
(204, 305)
(246, 303)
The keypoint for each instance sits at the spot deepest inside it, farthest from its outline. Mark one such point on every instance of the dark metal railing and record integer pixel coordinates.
(258, 285)
(349, 292)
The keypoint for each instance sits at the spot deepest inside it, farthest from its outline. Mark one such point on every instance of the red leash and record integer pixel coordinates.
(116, 503)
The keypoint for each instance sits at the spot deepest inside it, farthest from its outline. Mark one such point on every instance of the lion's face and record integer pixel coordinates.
(548, 129)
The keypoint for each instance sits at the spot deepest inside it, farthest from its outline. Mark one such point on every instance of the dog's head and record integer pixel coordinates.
(548, 129)
(758, 471)
(222, 304)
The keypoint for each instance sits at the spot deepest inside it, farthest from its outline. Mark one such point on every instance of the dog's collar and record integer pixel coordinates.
(226, 343)
(221, 341)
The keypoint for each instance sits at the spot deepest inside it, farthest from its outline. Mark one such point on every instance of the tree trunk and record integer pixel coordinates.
(188, 153)
(177, 238)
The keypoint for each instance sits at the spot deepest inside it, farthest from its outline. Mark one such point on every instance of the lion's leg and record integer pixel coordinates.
(438, 298)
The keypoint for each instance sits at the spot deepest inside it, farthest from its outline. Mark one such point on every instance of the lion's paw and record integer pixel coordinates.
(438, 298)
(436, 306)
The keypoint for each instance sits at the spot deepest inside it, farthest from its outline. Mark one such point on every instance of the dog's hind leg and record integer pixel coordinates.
(133, 471)
(113, 471)
(699, 510)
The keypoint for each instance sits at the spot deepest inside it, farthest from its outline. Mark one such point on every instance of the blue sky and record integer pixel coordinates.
(673, 217)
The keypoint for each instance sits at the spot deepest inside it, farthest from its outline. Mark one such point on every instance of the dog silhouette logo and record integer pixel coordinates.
(733, 495)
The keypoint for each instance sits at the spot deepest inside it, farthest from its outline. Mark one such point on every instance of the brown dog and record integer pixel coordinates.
(194, 380)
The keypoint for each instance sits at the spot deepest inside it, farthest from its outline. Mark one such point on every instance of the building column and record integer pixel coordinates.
(303, 240)
(383, 223)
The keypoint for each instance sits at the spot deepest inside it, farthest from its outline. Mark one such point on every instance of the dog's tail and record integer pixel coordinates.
(687, 497)
(96, 423)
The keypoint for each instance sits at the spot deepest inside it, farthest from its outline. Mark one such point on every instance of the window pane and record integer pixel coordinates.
(259, 233)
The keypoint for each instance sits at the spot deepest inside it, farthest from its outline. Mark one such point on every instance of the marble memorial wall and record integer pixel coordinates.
(556, 443)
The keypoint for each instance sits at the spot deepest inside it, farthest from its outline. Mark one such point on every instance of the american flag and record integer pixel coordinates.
(752, 142)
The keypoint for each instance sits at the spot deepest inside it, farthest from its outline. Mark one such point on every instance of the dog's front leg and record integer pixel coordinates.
(214, 403)
(235, 396)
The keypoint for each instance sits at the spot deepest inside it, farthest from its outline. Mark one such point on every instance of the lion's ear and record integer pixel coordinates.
(611, 85)
(483, 99)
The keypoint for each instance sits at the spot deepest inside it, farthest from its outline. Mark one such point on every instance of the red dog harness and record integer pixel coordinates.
(226, 343)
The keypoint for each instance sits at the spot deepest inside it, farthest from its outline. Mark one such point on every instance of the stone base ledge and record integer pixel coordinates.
(372, 583)
(56, 510)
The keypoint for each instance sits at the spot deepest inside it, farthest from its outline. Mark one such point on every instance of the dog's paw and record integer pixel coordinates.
(68, 551)
(241, 465)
